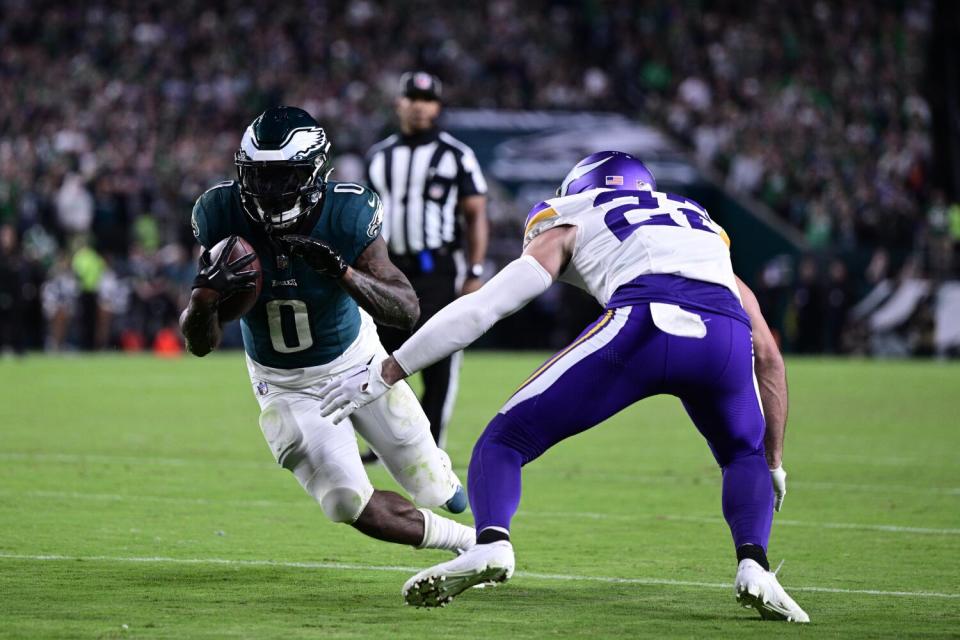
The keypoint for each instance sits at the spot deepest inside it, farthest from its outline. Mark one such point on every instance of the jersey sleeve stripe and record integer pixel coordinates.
(540, 216)
(725, 237)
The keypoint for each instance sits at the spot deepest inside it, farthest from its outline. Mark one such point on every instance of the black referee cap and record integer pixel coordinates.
(420, 84)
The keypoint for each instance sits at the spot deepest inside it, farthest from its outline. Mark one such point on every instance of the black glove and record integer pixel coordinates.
(321, 257)
(222, 276)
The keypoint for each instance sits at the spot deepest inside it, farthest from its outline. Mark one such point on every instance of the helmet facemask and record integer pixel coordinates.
(277, 193)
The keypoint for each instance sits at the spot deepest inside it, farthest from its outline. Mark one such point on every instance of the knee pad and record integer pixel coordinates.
(283, 434)
(343, 504)
(339, 500)
(325, 464)
(427, 487)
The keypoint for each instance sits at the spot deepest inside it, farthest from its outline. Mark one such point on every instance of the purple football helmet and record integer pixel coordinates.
(608, 169)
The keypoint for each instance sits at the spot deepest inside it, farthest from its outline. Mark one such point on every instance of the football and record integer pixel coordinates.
(240, 302)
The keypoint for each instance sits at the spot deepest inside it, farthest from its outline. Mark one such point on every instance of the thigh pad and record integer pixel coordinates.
(282, 432)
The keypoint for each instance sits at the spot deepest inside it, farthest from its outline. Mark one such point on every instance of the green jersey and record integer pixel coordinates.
(302, 318)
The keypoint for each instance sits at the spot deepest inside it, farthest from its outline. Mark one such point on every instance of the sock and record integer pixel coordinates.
(753, 552)
(492, 534)
(494, 475)
(444, 533)
(748, 500)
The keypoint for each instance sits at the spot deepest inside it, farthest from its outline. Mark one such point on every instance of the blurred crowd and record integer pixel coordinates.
(116, 114)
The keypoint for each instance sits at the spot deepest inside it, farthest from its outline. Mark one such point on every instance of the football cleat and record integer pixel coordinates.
(368, 457)
(758, 588)
(480, 565)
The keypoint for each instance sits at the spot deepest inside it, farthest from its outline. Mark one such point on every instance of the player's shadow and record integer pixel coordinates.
(624, 606)
(330, 601)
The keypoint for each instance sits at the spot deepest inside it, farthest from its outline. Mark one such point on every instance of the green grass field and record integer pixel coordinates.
(138, 500)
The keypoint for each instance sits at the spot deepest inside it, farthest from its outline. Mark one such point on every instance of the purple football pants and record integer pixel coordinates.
(620, 359)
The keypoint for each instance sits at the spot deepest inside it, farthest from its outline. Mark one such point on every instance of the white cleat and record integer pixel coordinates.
(758, 588)
(480, 565)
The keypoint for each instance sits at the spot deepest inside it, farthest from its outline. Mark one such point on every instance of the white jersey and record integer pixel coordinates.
(622, 235)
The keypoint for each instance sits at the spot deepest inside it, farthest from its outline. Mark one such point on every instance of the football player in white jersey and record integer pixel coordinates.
(677, 321)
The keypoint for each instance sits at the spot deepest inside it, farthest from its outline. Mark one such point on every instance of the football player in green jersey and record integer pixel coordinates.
(326, 277)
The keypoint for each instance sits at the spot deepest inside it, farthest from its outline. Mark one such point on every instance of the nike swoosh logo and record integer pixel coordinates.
(579, 172)
(372, 201)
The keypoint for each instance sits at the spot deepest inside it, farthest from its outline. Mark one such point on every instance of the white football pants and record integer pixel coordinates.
(325, 458)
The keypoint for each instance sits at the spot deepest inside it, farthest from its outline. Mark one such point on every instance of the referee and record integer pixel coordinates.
(435, 224)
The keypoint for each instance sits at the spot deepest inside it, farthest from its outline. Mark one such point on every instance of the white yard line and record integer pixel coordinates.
(621, 517)
(399, 569)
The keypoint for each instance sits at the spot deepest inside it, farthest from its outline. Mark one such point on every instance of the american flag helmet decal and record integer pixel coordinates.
(612, 169)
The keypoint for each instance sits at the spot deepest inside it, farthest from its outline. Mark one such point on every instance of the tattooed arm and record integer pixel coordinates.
(373, 281)
(381, 288)
(200, 324)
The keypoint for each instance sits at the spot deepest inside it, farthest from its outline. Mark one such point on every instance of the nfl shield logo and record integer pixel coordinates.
(262, 388)
(422, 81)
(614, 180)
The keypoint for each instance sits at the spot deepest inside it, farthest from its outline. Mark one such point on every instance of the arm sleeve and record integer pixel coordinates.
(465, 319)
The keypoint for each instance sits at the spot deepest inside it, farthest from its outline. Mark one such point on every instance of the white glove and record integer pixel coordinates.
(352, 389)
(779, 478)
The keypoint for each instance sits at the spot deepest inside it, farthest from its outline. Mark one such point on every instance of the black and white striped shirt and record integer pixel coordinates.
(420, 179)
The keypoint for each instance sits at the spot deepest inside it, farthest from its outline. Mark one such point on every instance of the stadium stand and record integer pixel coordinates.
(115, 115)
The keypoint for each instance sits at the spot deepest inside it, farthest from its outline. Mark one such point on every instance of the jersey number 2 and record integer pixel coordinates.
(616, 218)
(297, 311)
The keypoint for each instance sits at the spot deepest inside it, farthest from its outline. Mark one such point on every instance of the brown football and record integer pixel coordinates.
(240, 302)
